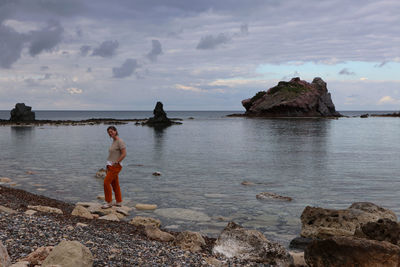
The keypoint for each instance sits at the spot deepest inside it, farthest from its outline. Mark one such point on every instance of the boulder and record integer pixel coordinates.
(4, 257)
(69, 254)
(191, 241)
(143, 221)
(352, 251)
(155, 233)
(323, 223)
(81, 212)
(38, 256)
(235, 241)
(295, 98)
(22, 113)
(269, 195)
(381, 230)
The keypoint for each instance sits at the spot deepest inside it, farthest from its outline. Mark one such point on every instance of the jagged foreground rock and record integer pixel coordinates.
(296, 98)
(352, 251)
(246, 244)
(323, 223)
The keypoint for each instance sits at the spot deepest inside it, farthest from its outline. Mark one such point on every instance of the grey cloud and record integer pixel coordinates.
(106, 49)
(11, 45)
(346, 72)
(127, 69)
(89, 69)
(155, 51)
(211, 42)
(46, 39)
(42, 68)
(85, 49)
(244, 29)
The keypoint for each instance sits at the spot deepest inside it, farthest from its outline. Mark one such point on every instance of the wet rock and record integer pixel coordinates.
(143, 221)
(69, 254)
(145, 206)
(191, 241)
(81, 212)
(300, 243)
(5, 180)
(157, 173)
(46, 209)
(4, 257)
(235, 241)
(183, 214)
(38, 256)
(22, 113)
(351, 251)
(323, 223)
(155, 233)
(269, 195)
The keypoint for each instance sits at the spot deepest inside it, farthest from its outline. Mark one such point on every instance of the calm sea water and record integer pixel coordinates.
(318, 162)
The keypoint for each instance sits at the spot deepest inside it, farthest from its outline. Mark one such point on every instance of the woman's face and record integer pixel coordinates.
(112, 133)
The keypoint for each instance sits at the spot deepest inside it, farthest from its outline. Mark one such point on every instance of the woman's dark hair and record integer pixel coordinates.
(112, 128)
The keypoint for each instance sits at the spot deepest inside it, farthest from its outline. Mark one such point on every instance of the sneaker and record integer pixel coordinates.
(106, 206)
(118, 204)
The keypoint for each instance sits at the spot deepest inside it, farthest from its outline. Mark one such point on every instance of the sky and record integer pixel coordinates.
(195, 55)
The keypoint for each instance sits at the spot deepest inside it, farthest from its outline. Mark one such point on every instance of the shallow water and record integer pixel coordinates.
(318, 162)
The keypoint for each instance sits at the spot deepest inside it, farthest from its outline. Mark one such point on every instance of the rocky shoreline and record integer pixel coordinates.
(111, 243)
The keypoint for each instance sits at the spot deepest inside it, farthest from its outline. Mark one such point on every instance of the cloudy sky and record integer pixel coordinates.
(195, 55)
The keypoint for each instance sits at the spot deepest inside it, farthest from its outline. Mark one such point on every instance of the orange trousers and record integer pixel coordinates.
(111, 180)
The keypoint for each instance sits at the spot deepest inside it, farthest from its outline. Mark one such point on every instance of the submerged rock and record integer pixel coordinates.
(296, 98)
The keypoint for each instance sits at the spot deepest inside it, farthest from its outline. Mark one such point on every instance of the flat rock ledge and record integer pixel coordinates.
(107, 121)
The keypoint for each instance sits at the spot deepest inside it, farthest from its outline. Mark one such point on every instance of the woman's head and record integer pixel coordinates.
(112, 131)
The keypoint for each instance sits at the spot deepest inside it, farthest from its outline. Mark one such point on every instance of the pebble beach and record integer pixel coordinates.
(111, 243)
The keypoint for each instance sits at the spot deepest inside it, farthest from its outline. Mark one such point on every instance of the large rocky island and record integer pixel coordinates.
(296, 98)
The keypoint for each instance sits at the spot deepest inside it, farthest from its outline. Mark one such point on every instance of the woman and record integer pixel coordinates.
(117, 153)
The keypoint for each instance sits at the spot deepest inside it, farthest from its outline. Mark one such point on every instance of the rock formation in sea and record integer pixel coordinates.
(296, 98)
(22, 113)
(160, 119)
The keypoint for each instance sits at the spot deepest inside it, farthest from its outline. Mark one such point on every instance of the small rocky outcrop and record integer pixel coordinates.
(351, 251)
(160, 117)
(296, 98)
(22, 113)
(324, 223)
(69, 254)
(245, 244)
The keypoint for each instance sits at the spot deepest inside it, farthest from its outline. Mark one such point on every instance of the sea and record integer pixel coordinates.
(329, 163)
